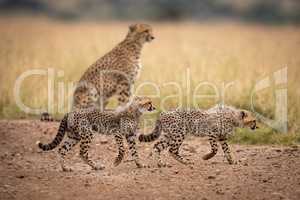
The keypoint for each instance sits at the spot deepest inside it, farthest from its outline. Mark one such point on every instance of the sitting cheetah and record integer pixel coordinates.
(114, 73)
(217, 123)
(82, 126)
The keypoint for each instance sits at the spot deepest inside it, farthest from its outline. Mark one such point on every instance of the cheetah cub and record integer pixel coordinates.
(216, 123)
(82, 126)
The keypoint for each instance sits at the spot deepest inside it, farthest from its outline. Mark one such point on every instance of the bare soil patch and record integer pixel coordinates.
(262, 172)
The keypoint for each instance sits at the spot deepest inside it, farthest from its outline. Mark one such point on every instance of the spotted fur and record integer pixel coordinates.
(216, 123)
(114, 74)
(82, 125)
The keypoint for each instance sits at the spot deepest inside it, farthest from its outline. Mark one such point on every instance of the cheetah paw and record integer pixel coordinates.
(163, 164)
(67, 169)
(140, 165)
(188, 162)
(208, 156)
(232, 162)
(99, 167)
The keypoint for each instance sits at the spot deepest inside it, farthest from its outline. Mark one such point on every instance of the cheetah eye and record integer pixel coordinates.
(146, 31)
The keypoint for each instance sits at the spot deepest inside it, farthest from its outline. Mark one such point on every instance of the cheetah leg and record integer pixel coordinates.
(63, 150)
(174, 150)
(226, 151)
(119, 142)
(132, 147)
(84, 147)
(214, 149)
(124, 92)
(158, 148)
(85, 96)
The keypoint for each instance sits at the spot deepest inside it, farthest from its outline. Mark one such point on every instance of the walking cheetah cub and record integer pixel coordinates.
(82, 126)
(216, 123)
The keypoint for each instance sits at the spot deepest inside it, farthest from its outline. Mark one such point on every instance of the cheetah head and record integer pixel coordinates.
(141, 32)
(247, 119)
(143, 104)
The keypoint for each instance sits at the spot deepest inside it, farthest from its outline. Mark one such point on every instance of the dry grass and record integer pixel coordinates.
(218, 53)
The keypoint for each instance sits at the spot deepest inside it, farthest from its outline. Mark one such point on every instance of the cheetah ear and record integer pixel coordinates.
(243, 114)
(132, 27)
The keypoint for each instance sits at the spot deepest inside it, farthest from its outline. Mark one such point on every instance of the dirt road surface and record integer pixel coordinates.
(262, 172)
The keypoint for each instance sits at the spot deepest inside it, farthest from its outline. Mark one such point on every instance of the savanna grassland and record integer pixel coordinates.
(220, 61)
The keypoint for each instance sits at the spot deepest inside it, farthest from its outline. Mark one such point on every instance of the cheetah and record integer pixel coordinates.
(216, 123)
(83, 124)
(114, 74)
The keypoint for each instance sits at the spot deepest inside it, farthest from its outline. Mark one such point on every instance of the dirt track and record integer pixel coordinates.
(26, 173)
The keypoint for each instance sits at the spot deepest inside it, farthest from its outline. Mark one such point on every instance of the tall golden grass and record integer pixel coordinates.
(218, 53)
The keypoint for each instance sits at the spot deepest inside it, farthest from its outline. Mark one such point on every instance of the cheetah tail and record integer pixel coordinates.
(58, 138)
(152, 136)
